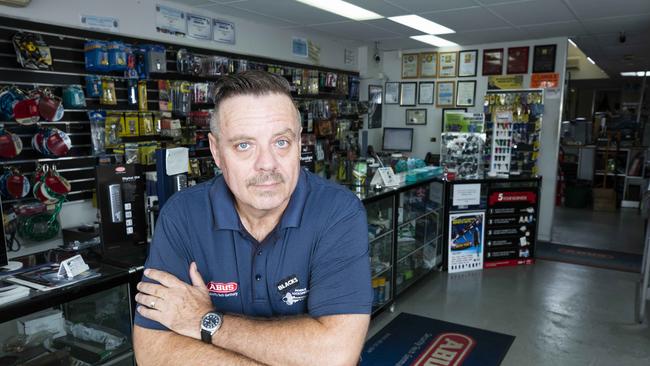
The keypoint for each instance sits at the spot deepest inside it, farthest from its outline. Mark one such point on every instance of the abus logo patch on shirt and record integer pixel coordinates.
(223, 289)
(448, 349)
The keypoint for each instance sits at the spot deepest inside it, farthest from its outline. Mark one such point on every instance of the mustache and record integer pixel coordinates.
(265, 178)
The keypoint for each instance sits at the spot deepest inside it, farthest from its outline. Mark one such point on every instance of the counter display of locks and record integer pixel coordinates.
(380, 236)
(462, 145)
(419, 233)
(93, 330)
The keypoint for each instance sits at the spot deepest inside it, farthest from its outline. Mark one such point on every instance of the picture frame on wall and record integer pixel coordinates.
(429, 64)
(466, 93)
(493, 61)
(426, 91)
(544, 58)
(517, 60)
(445, 93)
(407, 92)
(410, 63)
(447, 64)
(467, 63)
(374, 106)
(391, 95)
(448, 110)
(416, 116)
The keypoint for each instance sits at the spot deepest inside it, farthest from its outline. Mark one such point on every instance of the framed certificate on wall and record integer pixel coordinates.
(517, 60)
(410, 65)
(416, 116)
(493, 61)
(465, 93)
(407, 93)
(428, 64)
(467, 63)
(391, 96)
(447, 64)
(544, 58)
(445, 94)
(425, 94)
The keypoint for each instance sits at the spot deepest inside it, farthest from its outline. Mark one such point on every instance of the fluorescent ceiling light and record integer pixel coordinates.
(590, 60)
(573, 43)
(636, 73)
(421, 24)
(435, 41)
(343, 9)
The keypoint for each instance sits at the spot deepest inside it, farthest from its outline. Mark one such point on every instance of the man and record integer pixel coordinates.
(267, 264)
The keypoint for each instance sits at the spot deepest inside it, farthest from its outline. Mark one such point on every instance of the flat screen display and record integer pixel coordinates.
(397, 139)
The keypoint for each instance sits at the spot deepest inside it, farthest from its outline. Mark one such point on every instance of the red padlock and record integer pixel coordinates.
(10, 145)
(26, 111)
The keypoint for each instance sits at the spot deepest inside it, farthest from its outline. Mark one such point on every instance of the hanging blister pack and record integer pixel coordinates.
(97, 131)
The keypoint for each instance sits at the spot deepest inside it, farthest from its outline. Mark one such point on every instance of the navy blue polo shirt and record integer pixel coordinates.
(314, 262)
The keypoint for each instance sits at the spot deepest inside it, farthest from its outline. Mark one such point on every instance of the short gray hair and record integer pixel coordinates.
(251, 82)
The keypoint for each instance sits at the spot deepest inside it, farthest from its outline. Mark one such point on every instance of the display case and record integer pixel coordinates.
(418, 233)
(89, 323)
(404, 234)
(380, 236)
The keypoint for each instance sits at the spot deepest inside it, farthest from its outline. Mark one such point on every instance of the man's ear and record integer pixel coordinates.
(214, 149)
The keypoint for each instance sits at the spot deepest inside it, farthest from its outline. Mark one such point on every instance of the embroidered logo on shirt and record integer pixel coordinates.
(295, 296)
(287, 284)
(223, 289)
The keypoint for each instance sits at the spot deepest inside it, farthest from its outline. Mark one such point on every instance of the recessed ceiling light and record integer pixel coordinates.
(421, 24)
(435, 41)
(573, 43)
(590, 60)
(636, 73)
(343, 9)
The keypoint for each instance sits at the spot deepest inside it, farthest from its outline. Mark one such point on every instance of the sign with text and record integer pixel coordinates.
(545, 80)
(504, 82)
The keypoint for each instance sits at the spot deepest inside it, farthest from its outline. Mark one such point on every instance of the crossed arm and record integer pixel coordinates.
(328, 340)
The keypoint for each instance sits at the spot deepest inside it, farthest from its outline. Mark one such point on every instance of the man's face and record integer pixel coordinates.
(258, 149)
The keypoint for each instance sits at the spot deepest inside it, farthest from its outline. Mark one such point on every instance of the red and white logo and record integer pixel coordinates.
(223, 287)
(447, 349)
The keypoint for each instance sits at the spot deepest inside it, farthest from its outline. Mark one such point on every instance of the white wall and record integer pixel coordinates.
(138, 19)
(394, 115)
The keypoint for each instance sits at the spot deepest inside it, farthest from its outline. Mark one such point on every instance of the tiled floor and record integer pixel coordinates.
(620, 231)
(561, 314)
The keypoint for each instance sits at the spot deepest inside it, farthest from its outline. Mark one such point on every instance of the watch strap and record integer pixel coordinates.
(206, 336)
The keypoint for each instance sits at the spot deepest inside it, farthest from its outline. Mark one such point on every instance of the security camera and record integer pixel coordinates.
(377, 58)
(621, 37)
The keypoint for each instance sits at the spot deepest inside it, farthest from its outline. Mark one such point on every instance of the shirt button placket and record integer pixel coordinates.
(259, 271)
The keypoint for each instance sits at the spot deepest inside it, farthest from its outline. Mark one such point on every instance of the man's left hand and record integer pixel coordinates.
(174, 303)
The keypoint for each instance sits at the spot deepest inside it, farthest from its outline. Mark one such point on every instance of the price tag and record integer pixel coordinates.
(72, 266)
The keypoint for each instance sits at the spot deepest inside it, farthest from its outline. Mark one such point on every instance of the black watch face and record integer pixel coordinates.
(210, 321)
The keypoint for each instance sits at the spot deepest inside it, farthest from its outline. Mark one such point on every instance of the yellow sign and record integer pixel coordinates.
(501, 82)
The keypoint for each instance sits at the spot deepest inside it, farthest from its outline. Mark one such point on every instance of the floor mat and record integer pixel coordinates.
(589, 257)
(418, 341)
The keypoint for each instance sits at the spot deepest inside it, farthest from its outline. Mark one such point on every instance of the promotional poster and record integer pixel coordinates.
(511, 226)
(466, 232)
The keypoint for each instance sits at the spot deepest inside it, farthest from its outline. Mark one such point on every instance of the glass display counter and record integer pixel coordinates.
(404, 234)
(88, 323)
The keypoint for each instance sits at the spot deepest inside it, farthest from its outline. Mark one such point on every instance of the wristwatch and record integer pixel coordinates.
(210, 324)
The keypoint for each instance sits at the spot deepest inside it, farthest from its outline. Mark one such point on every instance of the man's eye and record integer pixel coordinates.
(242, 146)
(282, 143)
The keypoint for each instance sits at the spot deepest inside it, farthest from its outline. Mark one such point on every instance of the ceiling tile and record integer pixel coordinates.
(504, 34)
(632, 23)
(419, 6)
(589, 9)
(495, 2)
(534, 12)
(569, 29)
(394, 27)
(466, 19)
(248, 15)
(290, 10)
(401, 44)
(355, 30)
(380, 7)
(191, 2)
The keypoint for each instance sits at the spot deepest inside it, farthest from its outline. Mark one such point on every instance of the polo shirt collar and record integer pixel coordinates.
(226, 216)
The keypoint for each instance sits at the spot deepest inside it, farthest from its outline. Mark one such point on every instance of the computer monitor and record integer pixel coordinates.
(397, 139)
